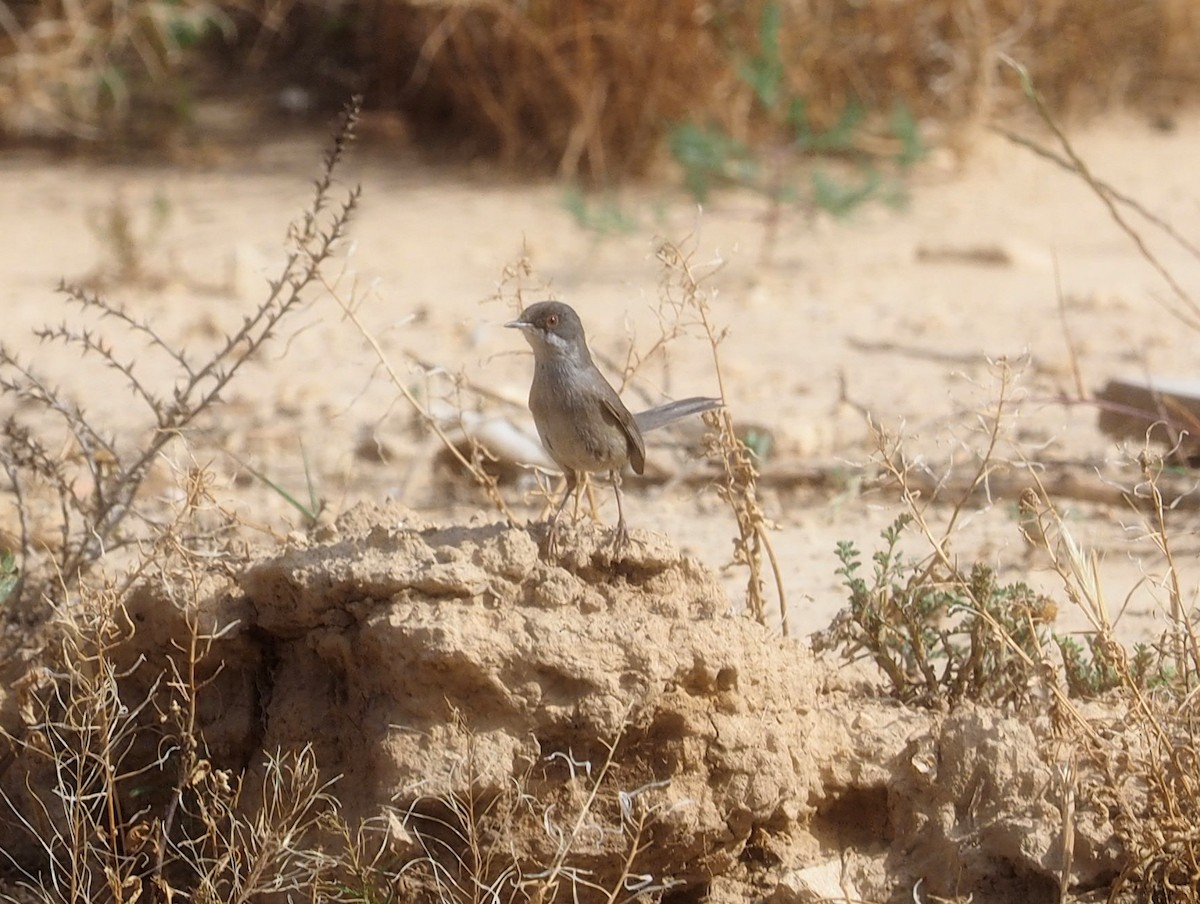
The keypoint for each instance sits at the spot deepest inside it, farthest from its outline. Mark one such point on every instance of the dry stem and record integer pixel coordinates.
(683, 287)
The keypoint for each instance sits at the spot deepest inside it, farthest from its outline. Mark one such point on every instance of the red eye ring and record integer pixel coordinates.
(552, 321)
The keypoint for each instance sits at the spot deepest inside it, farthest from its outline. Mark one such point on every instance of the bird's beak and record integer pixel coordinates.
(518, 324)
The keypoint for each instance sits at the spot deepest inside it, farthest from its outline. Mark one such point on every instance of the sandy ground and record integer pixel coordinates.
(884, 298)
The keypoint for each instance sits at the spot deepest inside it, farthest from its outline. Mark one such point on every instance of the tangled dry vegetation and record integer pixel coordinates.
(590, 89)
(593, 89)
(384, 709)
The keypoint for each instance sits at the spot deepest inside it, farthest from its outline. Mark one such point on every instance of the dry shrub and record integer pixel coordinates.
(1118, 722)
(84, 70)
(108, 791)
(579, 86)
(74, 491)
(939, 56)
(589, 88)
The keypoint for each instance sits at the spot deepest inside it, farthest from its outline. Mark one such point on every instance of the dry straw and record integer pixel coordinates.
(590, 88)
(83, 70)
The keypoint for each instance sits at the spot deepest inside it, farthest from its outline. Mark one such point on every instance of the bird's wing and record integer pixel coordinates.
(633, 436)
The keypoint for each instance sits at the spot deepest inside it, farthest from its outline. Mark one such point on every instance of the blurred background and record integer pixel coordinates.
(593, 91)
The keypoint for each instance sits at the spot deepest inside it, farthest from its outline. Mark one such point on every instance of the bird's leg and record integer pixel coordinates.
(621, 539)
(572, 482)
(583, 486)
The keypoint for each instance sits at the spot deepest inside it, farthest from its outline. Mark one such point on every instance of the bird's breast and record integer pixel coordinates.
(572, 421)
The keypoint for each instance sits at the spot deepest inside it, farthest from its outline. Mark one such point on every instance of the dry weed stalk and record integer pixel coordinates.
(473, 462)
(1184, 307)
(1184, 641)
(464, 837)
(367, 853)
(683, 289)
(79, 738)
(97, 487)
(1143, 775)
(239, 854)
(470, 841)
(119, 799)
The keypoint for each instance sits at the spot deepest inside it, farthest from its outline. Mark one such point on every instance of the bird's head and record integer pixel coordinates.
(552, 327)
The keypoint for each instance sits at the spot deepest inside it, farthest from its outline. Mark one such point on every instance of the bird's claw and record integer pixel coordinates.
(620, 539)
(552, 539)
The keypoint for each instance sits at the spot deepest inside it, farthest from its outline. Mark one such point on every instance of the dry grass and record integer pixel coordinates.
(1120, 721)
(590, 89)
(582, 88)
(564, 830)
(1130, 762)
(86, 70)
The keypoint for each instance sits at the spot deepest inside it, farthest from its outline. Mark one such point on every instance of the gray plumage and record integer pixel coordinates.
(581, 421)
(661, 415)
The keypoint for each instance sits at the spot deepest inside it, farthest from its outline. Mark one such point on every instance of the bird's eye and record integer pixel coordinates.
(552, 321)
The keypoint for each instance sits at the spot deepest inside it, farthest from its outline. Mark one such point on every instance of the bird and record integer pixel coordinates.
(581, 421)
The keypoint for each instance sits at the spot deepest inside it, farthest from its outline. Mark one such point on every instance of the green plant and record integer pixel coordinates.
(1093, 668)
(10, 574)
(310, 510)
(604, 216)
(127, 244)
(904, 127)
(938, 635)
(840, 198)
(710, 156)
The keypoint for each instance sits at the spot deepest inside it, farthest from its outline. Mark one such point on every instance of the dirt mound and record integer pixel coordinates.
(433, 666)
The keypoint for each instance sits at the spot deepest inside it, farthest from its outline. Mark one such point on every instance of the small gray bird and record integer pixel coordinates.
(580, 419)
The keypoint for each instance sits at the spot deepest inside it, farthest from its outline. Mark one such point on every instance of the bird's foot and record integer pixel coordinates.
(552, 539)
(620, 539)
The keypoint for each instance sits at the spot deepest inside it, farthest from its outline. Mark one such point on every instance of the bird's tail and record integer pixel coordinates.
(662, 415)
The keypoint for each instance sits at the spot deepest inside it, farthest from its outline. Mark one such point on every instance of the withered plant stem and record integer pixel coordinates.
(739, 489)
